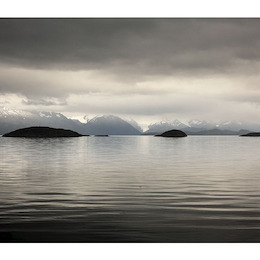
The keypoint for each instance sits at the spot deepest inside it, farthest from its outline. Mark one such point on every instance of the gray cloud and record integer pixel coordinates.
(135, 46)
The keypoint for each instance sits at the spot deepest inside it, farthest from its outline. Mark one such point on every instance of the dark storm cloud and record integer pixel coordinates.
(132, 46)
(67, 43)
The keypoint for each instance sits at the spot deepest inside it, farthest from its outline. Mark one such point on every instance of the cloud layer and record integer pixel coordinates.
(142, 67)
(153, 45)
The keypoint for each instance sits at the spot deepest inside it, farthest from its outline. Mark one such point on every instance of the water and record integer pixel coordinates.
(130, 189)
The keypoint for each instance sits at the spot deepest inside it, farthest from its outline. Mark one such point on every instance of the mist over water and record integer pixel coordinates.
(130, 189)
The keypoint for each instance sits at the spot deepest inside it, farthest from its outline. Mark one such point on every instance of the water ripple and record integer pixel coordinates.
(130, 189)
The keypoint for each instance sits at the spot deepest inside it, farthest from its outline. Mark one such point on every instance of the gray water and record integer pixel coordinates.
(130, 189)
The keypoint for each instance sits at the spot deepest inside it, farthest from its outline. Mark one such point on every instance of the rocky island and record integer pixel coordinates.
(42, 132)
(173, 133)
(252, 134)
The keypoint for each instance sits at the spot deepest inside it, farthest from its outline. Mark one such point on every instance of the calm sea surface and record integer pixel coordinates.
(130, 189)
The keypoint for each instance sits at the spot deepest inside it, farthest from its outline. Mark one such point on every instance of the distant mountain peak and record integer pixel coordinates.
(105, 117)
(7, 112)
(110, 125)
(165, 125)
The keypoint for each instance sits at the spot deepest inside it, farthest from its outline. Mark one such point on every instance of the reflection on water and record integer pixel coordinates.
(130, 189)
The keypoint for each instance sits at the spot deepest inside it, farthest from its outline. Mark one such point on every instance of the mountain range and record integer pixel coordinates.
(197, 127)
(12, 119)
(110, 125)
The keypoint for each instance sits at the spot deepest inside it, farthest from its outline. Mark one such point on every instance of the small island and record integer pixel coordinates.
(42, 132)
(252, 134)
(173, 133)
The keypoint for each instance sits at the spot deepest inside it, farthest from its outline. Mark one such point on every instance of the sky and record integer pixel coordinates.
(145, 69)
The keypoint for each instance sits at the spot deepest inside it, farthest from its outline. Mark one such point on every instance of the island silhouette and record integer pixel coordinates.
(173, 133)
(42, 132)
(253, 134)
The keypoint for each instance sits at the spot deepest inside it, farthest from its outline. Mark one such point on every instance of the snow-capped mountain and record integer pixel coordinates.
(163, 126)
(9, 112)
(110, 125)
(198, 126)
(205, 125)
(12, 119)
(231, 125)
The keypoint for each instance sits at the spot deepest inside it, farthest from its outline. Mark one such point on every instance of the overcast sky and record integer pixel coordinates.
(145, 69)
